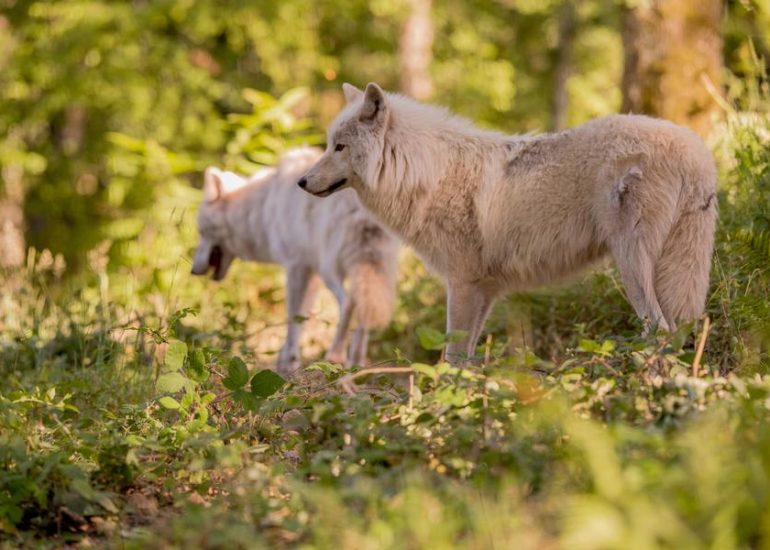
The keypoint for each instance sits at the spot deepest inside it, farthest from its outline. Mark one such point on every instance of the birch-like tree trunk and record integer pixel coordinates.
(560, 98)
(12, 243)
(416, 51)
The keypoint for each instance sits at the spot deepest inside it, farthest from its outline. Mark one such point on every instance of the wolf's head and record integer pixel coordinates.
(212, 251)
(355, 143)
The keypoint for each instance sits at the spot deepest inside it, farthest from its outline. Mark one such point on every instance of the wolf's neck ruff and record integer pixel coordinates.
(426, 153)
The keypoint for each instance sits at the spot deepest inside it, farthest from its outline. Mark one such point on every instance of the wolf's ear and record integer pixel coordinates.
(212, 184)
(374, 108)
(351, 92)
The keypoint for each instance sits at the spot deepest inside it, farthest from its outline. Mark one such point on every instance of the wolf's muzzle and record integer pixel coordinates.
(331, 189)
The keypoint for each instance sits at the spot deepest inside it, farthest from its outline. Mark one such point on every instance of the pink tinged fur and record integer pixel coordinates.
(494, 213)
(267, 218)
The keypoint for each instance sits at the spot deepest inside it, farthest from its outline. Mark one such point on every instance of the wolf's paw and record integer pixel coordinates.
(335, 357)
(288, 362)
(288, 368)
(651, 327)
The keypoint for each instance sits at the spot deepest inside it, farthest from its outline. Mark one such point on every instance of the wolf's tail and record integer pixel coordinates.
(373, 290)
(682, 270)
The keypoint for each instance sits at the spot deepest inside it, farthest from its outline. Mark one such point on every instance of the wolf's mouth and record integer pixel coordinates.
(215, 261)
(332, 188)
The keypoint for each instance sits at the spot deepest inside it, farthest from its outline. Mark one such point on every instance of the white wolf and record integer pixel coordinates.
(268, 219)
(492, 212)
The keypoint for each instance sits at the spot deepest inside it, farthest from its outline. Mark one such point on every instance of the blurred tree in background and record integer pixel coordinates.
(673, 60)
(87, 84)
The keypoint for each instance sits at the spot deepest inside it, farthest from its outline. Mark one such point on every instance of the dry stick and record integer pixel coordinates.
(485, 397)
(701, 345)
(347, 381)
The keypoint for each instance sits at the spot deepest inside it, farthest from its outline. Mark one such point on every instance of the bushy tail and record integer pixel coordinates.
(373, 289)
(682, 271)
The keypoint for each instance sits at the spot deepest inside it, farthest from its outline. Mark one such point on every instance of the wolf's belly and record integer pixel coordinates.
(542, 255)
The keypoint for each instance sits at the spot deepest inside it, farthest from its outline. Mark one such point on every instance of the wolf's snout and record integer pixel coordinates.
(302, 182)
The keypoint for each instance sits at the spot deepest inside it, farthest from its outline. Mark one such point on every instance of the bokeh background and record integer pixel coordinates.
(106, 105)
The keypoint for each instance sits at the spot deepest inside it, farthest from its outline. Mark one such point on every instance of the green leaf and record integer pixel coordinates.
(175, 355)
(427, 370)
(237, 374)
(106, 502)
(430, 338)
(679, 338)
(265, 383)
(198, 370)
(170, 382)
(169, 402)
(608, 346)
(248, 401)
(456, 335)
(589, 346)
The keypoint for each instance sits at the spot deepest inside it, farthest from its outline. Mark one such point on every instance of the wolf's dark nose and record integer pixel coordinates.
(302, 183)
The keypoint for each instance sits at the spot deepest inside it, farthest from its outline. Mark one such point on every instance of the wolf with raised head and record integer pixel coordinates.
(266, 218)
(495, 213)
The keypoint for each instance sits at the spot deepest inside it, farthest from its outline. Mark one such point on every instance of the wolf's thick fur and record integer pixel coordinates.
(267, 219)
(493, 212)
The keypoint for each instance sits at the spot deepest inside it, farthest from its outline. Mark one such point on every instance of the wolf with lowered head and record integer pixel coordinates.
(267, 219)
(494, 213)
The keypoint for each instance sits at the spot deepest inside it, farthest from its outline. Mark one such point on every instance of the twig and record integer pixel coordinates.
(701, 345)
(411, 390)
(348, 384)
(603, 362)
(713, 91)
(488, 350)
(656, 354)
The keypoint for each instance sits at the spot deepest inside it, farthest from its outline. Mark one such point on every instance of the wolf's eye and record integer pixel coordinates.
(339, 147)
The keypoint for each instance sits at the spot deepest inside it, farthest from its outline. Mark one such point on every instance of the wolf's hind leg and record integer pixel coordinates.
(301, 286)
(358, 345)
(637, 271)
(638, 231)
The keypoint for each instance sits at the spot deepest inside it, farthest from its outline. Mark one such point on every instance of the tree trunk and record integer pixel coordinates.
(12, 244)
(416, 51)
(673, 60)
(560, 99)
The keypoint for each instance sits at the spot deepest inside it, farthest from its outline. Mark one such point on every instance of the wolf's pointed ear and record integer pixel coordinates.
(212, 184)
(374, 108)
(351, 92)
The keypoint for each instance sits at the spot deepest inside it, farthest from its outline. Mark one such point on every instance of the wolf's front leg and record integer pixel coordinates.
(467, 308)
(301, 286)
(336, 353)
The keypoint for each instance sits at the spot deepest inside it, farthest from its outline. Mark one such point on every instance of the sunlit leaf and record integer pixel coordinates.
(175, 355)
(169, 402)
(171, 382)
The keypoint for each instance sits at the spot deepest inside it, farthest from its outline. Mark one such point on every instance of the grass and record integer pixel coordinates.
(137, 408)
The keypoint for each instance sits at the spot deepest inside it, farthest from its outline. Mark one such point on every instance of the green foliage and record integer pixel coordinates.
(616, 441)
